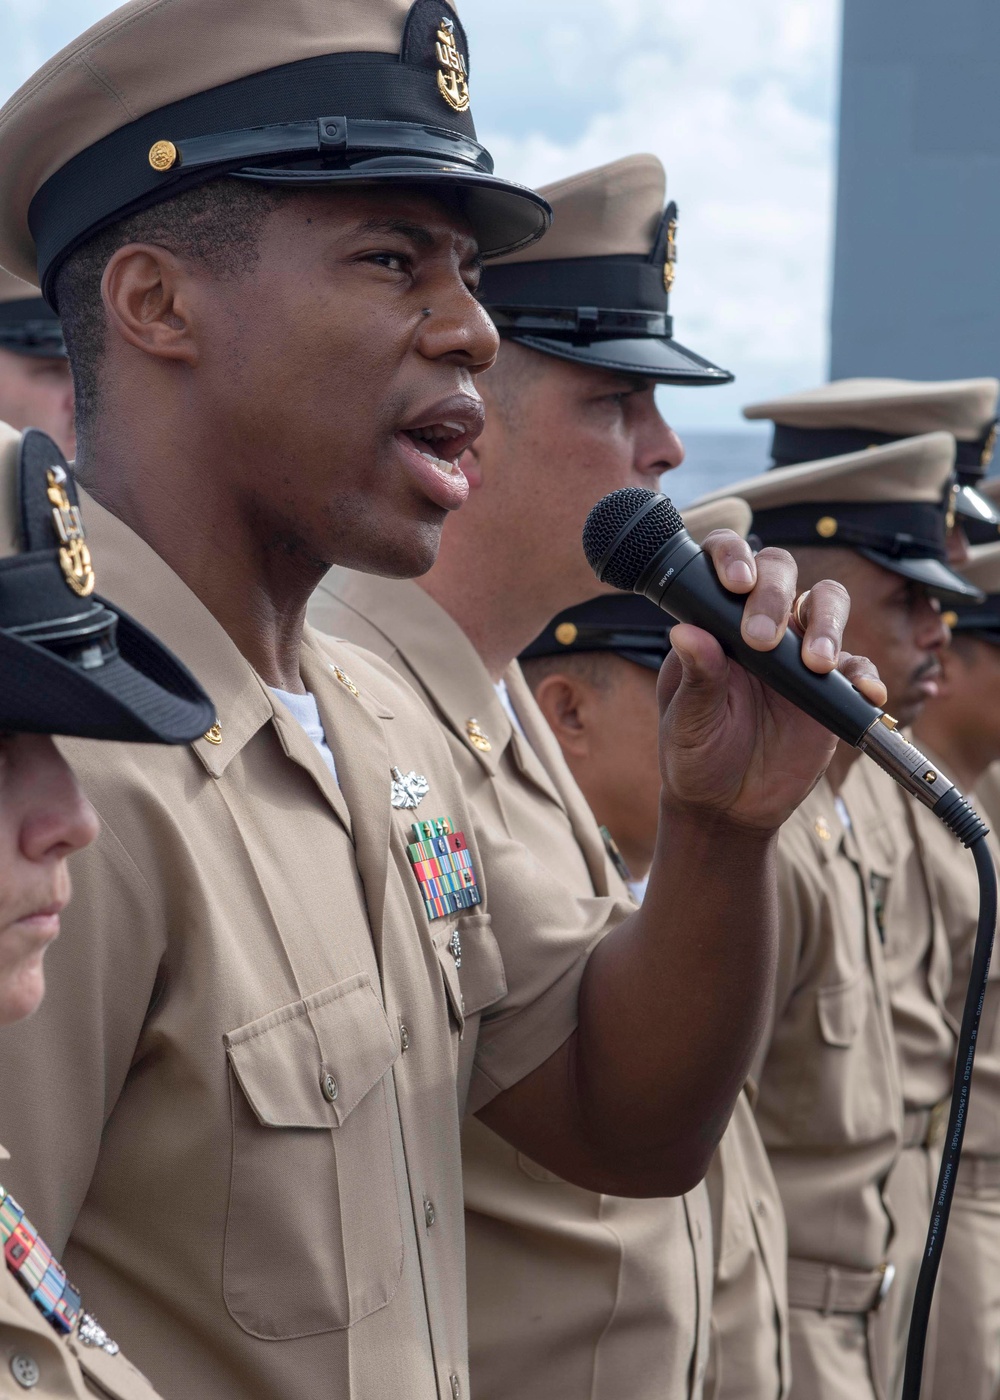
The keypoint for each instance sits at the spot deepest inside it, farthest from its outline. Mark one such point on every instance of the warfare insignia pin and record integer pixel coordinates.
(478, 737)
(408, 790)
(92, 1334)
(443, 866)
(346, 681)
(453, 75)
(74, 556)
(455, 948)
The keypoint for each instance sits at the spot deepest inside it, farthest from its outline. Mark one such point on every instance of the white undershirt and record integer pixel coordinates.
(637, 889)
(306, 711)
(842, 813)
(503, 695)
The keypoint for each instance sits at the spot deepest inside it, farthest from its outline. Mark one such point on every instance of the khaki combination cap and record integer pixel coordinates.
(627, 624)
(887, 503)
(162, 95)
(982, 569)
(27, 325)
(850, 414)
(596, 289)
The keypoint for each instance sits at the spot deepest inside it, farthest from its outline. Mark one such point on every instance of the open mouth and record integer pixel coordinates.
(442, 444)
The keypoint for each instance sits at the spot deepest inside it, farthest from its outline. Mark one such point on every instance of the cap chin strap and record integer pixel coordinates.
(327, 139)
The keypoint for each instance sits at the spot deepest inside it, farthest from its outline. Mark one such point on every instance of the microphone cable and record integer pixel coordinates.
(916, 1341)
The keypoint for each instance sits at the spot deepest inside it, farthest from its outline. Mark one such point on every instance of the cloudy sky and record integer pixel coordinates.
(738, 99)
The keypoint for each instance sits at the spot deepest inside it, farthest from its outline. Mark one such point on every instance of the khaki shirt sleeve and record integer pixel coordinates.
(545, 936)
(112, 938)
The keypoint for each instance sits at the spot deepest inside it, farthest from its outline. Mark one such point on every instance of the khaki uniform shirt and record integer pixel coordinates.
(750, 1353)
(829, 1108)
(240, 1102)
(917, 955)
(571, 1293)
(952, 873)
(37, 1360)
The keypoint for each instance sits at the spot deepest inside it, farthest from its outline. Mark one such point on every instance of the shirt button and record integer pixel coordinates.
(331, 1089)
(25, 1371)
(429, 1213)
(404, 1038)
(761, 1208)
(456, 1388)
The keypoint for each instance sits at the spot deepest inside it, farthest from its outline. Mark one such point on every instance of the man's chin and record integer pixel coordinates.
(408, 554)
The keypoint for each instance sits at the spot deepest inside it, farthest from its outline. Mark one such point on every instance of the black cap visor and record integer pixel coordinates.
(942, 582)
(504, 216)
(138, 692)
(649, 357)
(977, 515)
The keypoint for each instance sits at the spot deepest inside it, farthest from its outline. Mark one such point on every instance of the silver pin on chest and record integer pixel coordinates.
(408, 790)
(455, 948)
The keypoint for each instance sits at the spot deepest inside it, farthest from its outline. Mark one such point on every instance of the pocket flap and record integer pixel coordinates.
(309, 1064)
(473, 968)
(842, 1010)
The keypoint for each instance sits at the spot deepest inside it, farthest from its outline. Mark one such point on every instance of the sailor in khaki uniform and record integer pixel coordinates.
(830, 1105)
(36, 387)
(62, 670)
(831, 418)
(296, 957)
(960, 728)
(571, 1293)
(593, 673)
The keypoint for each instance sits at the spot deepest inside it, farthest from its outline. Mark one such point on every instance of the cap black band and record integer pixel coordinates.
(901, 530)
(253, 121)
(791, 446)
(29, 325)
(612, 296)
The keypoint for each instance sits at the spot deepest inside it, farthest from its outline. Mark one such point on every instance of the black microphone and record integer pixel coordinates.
(635, 540)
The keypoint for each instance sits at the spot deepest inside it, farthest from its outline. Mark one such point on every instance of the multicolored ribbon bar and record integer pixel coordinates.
(30, 1260)
(443, 866)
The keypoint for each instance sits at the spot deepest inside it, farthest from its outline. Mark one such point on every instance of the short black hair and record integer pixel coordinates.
(594, 668)
(218, 224)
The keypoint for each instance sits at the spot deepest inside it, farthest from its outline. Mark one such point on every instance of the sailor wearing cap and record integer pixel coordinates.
(571, 414)
(69, 664)
(831, 1097)
(262, 226)
(960, 728)
(36, 387)
(593, 674)
(850, 415)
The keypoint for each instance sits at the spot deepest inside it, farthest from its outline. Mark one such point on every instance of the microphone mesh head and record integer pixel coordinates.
(635, 550)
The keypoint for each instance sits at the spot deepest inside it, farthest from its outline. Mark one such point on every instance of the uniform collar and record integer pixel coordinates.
(133, 576)
(436, 650)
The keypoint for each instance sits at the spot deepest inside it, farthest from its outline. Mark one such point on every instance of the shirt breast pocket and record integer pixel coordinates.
(314, 1238)
(471, 966)
(843, 1088)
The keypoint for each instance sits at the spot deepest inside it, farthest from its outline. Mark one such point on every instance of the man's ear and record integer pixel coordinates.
(562, 699)
(145, 293)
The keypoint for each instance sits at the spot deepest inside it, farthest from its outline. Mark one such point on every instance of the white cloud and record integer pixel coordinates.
(736, 98)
